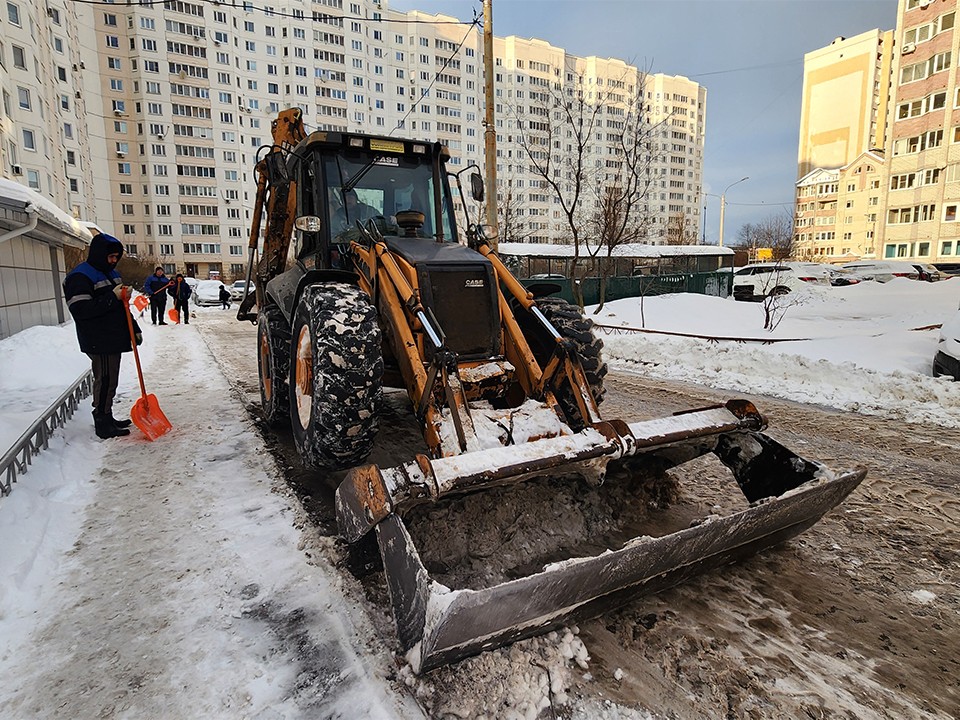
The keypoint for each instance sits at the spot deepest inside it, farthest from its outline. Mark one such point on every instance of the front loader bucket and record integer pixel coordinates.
(437, 625)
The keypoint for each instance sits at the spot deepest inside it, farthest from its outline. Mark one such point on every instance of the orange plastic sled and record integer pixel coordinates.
(145, 413)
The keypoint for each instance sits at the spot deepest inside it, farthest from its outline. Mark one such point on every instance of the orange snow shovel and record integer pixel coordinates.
(145, 413)
(173, 315)
(141, 302)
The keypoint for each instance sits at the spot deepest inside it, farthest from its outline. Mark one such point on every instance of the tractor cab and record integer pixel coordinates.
(399, 186)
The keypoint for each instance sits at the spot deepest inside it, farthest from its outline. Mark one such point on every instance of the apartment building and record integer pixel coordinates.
(147, 118)
(901, 203)
(837, 211)
(45, 138)
(532, 75)
(923, 187)
(843, 131)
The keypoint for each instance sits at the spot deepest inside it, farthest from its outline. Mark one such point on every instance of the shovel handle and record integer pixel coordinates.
(133, 339)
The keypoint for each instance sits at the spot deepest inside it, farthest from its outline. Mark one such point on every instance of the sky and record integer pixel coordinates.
(747, 53)
(230, 596)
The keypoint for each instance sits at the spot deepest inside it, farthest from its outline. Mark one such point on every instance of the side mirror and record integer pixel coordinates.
(308, 223)
(476, 187)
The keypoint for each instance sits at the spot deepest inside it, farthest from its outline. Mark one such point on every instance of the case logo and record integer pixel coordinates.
(474, 283)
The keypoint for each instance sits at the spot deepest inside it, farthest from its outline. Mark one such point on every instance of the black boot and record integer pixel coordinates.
(105, 427)
(120, 423)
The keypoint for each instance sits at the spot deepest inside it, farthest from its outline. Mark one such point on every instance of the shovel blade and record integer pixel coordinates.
(147, 415)
(140, 303)
(173, 315)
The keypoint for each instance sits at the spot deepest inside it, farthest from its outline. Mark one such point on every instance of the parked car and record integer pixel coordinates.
(760, 280)
(207, 292)
(947, 359)
(548, 276)
(927, 272)
(840, 277)
(882, 270)
(948, 270)
(236, 290)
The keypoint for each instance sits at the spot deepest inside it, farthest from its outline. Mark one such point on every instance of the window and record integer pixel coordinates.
(112, 41)
(23, 95)
(29, 140)
(13, 13)
(19, 58)
(946, 248)
(33, 179)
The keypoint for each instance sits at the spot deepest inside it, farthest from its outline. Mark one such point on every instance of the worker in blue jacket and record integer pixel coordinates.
(153, 286)
(93, 292)
(180, 291)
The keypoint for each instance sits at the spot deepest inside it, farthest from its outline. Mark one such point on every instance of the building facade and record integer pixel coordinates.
(901, 203)
(923, 187)
(843, 112)
(147, 118)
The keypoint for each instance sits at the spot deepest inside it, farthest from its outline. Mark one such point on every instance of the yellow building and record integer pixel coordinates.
(839, 212)
(845, 98)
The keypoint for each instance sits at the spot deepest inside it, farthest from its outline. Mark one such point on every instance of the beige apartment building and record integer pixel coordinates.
(901, 202)
(147, 118)
(843, 129)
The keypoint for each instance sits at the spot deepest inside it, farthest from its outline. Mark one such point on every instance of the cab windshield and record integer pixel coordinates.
(390, 185)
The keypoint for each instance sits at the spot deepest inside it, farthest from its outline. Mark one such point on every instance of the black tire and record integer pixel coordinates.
(571, 324)
(780, 290)
(273, 349)
(336, 376)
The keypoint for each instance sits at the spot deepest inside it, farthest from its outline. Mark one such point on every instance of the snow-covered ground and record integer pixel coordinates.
(864, 348)
(179, 578)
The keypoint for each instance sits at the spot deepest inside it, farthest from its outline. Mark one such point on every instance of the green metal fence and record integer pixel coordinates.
(719, 283)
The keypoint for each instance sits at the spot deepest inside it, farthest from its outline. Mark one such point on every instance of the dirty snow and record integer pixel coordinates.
(180, 578)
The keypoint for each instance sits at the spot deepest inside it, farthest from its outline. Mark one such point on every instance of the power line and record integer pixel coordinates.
(436, 75)
(744, 69)
(268, 12)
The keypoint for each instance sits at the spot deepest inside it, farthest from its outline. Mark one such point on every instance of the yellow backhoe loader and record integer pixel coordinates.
(377, 291)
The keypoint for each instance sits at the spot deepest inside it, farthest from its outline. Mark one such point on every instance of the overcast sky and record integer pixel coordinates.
(747, 53)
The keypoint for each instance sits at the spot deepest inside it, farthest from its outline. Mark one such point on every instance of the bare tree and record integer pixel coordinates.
(511, 222)
(681, 230)
(556, 132)
(777, 300)
(593, 146)
(774, 232)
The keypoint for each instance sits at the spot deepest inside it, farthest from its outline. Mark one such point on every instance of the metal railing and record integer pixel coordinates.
(18, 458)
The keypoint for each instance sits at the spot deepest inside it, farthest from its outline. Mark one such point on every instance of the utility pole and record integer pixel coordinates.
(490, 127)
(723, 206)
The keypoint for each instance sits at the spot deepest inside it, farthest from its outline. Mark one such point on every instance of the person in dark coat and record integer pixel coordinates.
(93, 292)
(153, 286)
(224, 298)
(180, 292)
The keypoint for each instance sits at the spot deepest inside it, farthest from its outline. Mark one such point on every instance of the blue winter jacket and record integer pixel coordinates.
(100, 318)
(153, 284)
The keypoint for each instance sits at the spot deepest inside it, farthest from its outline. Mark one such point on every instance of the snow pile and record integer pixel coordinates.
(861, 348)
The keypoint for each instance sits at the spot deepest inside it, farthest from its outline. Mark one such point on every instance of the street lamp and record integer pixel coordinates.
(723, 205)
